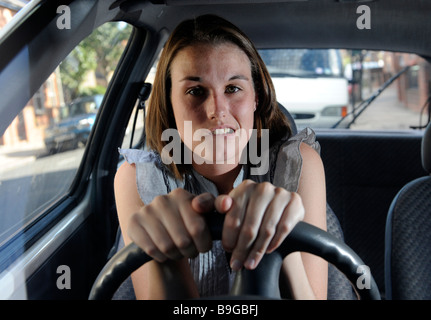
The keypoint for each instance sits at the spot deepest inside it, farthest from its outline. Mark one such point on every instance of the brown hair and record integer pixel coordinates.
(210, 29)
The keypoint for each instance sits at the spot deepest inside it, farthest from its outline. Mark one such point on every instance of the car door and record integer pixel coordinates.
(58, 217)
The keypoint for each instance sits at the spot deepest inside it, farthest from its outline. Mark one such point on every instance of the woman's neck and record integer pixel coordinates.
(222, 176)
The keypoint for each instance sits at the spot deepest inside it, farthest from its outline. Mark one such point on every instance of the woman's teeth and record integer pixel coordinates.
(222, 131)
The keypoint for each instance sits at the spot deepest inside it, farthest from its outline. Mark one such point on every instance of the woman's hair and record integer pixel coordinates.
(210, 29)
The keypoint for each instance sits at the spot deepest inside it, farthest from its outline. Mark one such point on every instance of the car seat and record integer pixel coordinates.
(408, 236)
(339, 288)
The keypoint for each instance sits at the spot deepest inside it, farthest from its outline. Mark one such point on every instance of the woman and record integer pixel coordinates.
(212, 87)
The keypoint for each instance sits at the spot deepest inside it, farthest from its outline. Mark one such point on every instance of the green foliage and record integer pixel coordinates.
(91, 91)
(98, 53)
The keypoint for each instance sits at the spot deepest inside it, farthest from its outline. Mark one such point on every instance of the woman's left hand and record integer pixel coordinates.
(259, 216)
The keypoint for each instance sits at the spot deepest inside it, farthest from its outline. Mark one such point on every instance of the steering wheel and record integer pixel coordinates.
(252, 283)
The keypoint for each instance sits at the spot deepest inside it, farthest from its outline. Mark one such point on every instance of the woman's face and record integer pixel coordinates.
(213, 100)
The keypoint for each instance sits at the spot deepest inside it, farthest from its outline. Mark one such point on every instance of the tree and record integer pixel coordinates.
(97, 53)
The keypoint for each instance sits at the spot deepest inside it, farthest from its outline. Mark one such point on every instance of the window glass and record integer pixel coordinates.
(42, 148)
(354, 89)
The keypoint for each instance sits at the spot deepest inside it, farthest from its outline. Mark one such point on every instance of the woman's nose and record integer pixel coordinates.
(217, 106)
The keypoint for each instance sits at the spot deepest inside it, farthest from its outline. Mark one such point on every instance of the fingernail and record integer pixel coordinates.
(236, 265)
(250, 264)
(205, 199)
(227, 203)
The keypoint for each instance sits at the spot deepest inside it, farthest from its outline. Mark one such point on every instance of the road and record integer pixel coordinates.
(31, 180)
(32, 184)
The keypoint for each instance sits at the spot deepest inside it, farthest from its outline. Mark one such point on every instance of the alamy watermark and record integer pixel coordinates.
(222, 146)
(64, 280)
(364, 20)
(64, 19)
(364, 280)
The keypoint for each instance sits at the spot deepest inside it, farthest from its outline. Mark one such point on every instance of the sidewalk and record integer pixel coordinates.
(387, 113)
(19, 155)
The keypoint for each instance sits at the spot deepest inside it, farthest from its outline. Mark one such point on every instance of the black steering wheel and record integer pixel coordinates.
(252, 283)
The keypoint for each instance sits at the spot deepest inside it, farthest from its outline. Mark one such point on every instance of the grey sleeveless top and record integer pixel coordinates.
(211, 270)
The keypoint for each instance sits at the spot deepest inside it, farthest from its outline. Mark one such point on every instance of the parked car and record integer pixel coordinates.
(309, 84)
(74, 127)
(55, 245)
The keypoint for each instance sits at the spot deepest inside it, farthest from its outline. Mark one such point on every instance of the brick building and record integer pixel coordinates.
(28, 127)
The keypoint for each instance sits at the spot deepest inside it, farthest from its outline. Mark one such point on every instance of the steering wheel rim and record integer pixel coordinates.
(256, 283)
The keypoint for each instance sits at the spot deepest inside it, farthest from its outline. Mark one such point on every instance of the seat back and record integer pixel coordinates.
(408, 236)
(290, 118)
(339, 287)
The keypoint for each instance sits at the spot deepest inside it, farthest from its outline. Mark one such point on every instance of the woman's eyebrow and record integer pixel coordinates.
(191, 78)
(239, 77)
(199, 79)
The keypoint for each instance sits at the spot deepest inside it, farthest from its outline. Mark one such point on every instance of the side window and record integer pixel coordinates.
(353, 89)
(42, 148)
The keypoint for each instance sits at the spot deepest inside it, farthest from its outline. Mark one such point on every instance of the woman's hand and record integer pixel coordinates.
(259, 216)
(173, 226)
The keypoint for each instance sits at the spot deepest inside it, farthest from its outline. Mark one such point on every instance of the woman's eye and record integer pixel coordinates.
(195, 91)
(232, 89)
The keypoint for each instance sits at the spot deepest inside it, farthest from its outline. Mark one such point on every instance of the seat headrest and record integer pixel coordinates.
(426, 149)
(290, 118)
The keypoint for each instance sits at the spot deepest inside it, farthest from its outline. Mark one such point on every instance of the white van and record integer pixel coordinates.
(310, 84)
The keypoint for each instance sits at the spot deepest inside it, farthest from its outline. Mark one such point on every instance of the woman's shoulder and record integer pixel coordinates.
(149, 174)
(291, 156)
(134, 156)
(306, 136)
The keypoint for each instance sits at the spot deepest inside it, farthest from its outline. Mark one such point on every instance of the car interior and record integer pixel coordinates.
(365, 169)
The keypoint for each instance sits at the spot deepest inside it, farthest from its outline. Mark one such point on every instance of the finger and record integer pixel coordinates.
(292, 214)
(223, 203)
(194, 222)
(203, 203)
(149, 241)
(259, 201)
(199, 232)
(233, 219)
(234, 216)
(181, 238)
(268, 227)
(180, 220)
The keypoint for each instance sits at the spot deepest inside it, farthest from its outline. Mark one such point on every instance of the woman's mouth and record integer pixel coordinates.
(220, 131)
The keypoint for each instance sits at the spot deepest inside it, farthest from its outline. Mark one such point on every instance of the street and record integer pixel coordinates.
(26, 189)
(387, 113)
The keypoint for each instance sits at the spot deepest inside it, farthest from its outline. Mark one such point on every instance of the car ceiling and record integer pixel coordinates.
(396, 25)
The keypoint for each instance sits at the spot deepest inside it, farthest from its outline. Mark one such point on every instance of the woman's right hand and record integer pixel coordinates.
(173, 226)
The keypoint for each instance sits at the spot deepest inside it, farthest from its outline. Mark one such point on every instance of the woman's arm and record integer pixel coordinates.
(153, 280)
(308, 274)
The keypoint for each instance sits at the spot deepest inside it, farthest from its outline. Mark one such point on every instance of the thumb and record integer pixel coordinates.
(203, 203)
(223, 203)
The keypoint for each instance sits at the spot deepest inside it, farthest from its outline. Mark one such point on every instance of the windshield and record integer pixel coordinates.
(302, 62)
